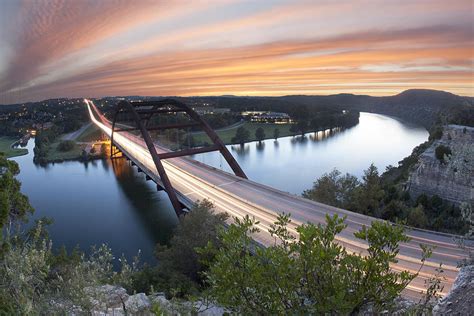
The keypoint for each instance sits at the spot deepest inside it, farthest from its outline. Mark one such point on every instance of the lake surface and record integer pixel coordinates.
(106, 201)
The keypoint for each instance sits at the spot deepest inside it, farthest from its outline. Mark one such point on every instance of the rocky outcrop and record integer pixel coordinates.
(113, 300)
(460, 300)
(452, 178)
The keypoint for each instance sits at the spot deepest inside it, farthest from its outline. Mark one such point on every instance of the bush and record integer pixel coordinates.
(66, 145)
(311, 275)
(180, 269)
(441, 151)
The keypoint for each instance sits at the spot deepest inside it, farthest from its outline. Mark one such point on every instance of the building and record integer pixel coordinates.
(268, 117)
(210, 110)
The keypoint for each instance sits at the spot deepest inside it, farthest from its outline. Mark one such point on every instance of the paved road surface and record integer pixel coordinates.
(75, 134)
(239, 197)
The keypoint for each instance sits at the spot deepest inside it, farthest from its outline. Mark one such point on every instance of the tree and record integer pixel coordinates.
(302, 126)
(195, 230)
(242, 135)
(276, 133)
(333, 189)
(368, 197)
(310, 274)
(417, 217)
(325, 189)
(14, 206)
(260, 134)
(180, 266)
(441, 152)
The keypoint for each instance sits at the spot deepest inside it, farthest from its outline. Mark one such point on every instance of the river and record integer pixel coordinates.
(110, 202)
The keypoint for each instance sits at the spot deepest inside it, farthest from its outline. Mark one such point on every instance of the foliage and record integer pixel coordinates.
(180, 268)
(311, 274)
(36, 281)
(377, 196)
(66, 145)
(333, 189)
(260, 134)
(242, 135)
(276, 133)
(14, 206)
(441, 152)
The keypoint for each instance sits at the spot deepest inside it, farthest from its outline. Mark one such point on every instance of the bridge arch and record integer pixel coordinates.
(142, 117)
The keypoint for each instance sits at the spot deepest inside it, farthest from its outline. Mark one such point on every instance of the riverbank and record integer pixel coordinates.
(6, 146)
(84, 146)
(226, 134)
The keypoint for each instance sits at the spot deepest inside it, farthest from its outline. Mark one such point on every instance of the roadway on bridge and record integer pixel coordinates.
(239, 197)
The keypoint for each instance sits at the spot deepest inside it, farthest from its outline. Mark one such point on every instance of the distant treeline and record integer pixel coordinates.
(425, 107)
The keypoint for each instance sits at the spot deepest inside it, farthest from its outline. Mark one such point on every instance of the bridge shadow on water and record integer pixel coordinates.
(151, 208)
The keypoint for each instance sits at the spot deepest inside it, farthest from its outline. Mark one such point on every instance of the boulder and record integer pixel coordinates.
(138, 304)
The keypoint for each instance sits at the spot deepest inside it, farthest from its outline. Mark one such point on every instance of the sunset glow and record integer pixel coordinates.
(143, 47)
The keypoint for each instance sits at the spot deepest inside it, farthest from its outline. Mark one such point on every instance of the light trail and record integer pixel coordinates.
(240, 197)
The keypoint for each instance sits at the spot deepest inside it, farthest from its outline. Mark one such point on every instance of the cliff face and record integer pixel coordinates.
(460, 300)
(453, 178)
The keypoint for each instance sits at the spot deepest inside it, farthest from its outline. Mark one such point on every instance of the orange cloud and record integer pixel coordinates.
(191, 59)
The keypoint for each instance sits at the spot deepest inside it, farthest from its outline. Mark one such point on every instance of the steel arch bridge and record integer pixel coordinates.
(142, 114)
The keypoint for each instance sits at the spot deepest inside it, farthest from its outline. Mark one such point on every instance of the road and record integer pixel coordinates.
(239, 197)
(75, 134)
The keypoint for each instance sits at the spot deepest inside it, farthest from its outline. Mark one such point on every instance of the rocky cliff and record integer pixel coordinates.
(460, 300)
(452, 177)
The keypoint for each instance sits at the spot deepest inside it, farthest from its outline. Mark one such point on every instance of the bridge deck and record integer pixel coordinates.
(195, 181)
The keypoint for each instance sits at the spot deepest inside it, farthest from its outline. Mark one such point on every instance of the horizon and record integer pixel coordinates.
(236, 96)
(72, 49)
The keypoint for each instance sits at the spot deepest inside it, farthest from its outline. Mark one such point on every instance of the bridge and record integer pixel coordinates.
(186, 181)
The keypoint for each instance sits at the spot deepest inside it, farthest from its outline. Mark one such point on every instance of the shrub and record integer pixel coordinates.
(311, 274)
(441, 151)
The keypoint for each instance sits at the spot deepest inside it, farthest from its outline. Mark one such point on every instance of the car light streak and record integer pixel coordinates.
(196, 187)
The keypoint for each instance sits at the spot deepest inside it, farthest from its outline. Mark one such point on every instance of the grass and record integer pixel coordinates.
(5, 147)
(226, 135)
(54, 154)
(90, 134)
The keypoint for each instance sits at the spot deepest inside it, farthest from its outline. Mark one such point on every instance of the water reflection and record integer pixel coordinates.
(95, 202)
(293, 163)
(106, 201)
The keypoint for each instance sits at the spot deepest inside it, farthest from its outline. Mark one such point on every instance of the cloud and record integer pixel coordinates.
(96, 48)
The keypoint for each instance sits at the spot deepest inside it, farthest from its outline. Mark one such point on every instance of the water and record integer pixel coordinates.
(104, 202)
(292, 164)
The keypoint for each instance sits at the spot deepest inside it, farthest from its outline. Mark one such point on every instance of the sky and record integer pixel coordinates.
(95, 48)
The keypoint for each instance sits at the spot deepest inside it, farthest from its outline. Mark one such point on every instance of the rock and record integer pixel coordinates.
(107, 296)
(460, 300)
(451, 179)
(138, 304)
(402, 306)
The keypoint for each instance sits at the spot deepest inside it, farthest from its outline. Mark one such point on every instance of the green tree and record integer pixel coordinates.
(311, 274)
(325, 189)
(180, 268)
(417, 217)
(333, 189)
(276, 133)
(368, 197)
(14, 206)
(302, 126)
(260, 134)
(242, 135)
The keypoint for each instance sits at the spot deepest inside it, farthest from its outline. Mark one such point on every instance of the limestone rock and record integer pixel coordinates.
(107, 296)
(138, 304)
(453, 179)
(460, 300)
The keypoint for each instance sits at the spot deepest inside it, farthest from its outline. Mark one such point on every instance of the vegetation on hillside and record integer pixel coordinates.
(380, 197)
(308, 274)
